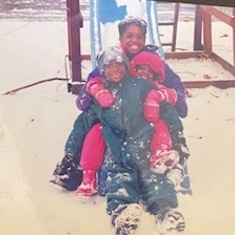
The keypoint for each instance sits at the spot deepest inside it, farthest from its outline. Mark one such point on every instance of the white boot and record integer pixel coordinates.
(170, 221)
(127, 219)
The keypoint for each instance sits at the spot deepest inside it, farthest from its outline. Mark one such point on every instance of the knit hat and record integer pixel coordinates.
(153, 60)
(111, 53)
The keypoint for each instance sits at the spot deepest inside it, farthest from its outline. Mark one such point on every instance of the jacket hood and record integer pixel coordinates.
(151, 59)
(111, 53)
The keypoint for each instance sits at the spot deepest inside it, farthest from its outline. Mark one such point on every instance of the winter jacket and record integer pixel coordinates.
(161, 140)
(127, 134)
(124, 121)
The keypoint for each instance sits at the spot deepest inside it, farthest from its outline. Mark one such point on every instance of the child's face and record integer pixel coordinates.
(132, 40)
(145, 71)
(114, 71)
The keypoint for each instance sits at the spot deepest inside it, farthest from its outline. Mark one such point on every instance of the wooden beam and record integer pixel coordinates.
(183, 55)
(225, 64)
(219, 15)
(86, 57)
(222, 84)
(228, 3)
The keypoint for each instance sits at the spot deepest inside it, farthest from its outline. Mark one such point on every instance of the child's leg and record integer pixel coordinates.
(91, 160)
(122, 200)
(163, 157)
(67, 174)
(160, 199)
(169, 114)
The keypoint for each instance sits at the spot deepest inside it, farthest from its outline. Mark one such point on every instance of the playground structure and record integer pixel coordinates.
(202, 45)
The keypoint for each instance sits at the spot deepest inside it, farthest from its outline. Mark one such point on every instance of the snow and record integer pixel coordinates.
(35, 123)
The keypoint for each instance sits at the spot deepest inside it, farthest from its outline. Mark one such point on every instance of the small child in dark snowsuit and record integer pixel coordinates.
(127, 134)
(163, 159)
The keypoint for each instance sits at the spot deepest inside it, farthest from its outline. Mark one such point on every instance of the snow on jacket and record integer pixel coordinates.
(125, 127)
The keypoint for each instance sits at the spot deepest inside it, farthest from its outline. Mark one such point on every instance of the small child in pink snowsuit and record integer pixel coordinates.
(150, 66)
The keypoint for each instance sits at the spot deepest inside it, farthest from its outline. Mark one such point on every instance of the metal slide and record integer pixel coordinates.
(106, 14)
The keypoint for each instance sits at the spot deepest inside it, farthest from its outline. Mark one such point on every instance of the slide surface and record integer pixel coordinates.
(106, 14)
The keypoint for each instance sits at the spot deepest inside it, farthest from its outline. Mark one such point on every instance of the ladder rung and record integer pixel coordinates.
(167, 44)
(166, 23)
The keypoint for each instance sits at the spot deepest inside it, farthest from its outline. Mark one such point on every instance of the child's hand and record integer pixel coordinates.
(96, 89)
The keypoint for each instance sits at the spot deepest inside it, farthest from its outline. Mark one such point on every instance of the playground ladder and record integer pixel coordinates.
(173, 23)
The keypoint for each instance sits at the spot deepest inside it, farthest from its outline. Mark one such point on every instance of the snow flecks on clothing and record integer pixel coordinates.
(122, 192)
(156, 188)
(124, 176)
(142, 145)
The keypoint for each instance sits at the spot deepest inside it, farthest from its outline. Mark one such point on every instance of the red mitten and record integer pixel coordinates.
(166, 94)
(169, 94)
(151, 106)
(97, 90)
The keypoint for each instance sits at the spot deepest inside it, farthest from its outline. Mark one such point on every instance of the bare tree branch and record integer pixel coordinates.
(33, 84)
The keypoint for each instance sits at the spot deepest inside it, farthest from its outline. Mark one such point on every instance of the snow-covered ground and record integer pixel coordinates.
(35, 123)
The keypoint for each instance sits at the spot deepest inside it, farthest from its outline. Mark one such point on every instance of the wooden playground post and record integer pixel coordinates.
(207, 33)
(233, 25)
(75, 21)
(197, 46)
(176, 18)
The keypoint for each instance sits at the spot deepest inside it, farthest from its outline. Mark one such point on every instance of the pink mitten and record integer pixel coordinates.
(97, 90)
(167, 94)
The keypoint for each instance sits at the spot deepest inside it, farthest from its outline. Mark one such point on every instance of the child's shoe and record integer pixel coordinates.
(170, 220)
(126, 219)
(89, 184)
(164, 161)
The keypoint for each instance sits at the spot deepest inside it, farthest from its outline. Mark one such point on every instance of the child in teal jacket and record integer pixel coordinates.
(127, 134)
